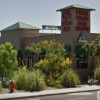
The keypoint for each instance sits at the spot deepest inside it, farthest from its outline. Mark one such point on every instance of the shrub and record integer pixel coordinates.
(58, 84)
(97, 73)
(54, 83)
(1, 87)
(51, 82)
(53, 65)
(20, 78)
(55, 58)
(69, 78)
(29, 80)
(35, 81)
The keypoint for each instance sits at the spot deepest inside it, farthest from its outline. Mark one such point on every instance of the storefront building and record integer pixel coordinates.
(75, 31)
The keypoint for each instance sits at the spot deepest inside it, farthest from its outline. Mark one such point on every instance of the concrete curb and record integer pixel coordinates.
(48, 92)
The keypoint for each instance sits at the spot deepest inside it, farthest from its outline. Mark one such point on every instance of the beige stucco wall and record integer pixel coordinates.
(27, 41)
(29, 32)
(16, 36)
(71, 38)
(13, 37)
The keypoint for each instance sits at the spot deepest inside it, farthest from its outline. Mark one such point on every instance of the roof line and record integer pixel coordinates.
(77, 6)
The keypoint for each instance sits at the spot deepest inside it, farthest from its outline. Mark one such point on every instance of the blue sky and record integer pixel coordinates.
(43, 12)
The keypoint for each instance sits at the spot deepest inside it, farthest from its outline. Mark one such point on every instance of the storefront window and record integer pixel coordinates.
(68, 48)
(82, 61)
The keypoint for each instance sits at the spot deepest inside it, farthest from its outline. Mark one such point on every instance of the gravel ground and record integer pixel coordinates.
(7, 90)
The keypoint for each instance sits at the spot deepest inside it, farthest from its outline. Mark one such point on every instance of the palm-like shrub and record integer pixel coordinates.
(69, 78)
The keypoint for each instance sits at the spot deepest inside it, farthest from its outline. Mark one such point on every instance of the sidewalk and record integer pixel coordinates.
(82, 88)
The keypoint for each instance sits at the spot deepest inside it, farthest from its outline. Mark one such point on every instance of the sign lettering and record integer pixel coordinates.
(82, 17)
(66, 20)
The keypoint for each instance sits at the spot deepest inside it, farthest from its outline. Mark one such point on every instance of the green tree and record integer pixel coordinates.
(92, 48)
(8, 61)
(45, 47)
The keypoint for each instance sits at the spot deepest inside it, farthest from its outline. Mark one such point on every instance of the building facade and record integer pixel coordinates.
(75, 31)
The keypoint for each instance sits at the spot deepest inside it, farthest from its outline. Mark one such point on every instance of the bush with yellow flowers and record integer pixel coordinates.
(53, 66)
(55, 62)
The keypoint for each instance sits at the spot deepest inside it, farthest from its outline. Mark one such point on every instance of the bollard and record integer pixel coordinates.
(11, 86)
